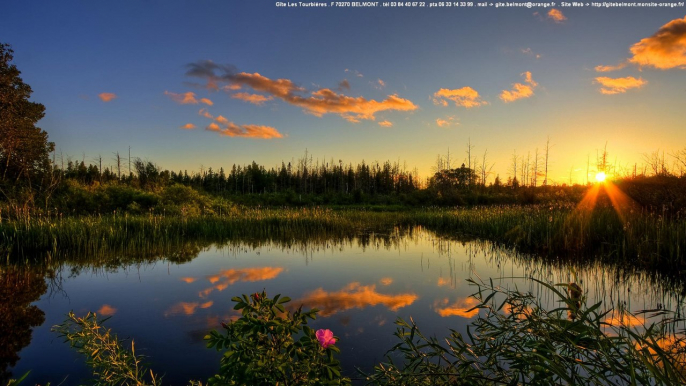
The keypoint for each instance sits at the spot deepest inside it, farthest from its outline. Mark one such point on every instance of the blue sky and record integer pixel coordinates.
(395, 61)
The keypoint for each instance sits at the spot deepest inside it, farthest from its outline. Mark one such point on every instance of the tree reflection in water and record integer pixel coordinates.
(18, 289)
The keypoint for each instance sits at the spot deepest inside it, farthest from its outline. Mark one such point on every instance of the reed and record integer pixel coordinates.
(644, 240)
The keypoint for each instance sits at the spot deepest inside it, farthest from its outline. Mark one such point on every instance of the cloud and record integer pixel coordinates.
(529, 51)
(447, 122)
(107, 96)
(442, 282)
(319, 102)
(465, 97)
(231, 129)
(351, 296)
(106, 310)
(556, 15)
(602, 68)
(206, 101)
(611, 86)
(461, 307)
(187, 98)
(664, 50)
(222, 120)
(255, 99)
(386, 280)
(379, 84)
(343, 85)
(231, 87)
(188, 126)
(205, 113)
(386, 124)
(520, 90)
(188, 279)
(357, 73)
(225, 127)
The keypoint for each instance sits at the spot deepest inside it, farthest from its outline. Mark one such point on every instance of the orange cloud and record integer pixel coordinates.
(449, 121)
(184, 99)
(231, 129)
(188, 126)
(602, 68)
(386, 281)
(465, 97)
(386, 123)
(187, 308)
(461, 307)
(665, 49)
(188, 280)
(556, 15)
(251, 131)
(351, 296)
(206, 101)
(317, 103)
(106, 310)
(205, 113)
(442, 282)
(107, 96)
(611, 86)
(520, 90)
(255, 99)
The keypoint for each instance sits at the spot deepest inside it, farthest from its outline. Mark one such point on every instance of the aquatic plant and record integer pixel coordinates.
(515, 340)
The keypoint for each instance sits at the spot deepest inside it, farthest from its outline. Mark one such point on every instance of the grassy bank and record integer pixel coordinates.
(640, 239)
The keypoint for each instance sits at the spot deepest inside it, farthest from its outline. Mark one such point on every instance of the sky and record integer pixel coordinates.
(196, 84)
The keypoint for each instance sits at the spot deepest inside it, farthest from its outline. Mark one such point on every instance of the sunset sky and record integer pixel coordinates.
(212, 83)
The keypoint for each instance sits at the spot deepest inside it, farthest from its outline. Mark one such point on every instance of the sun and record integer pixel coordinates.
(600, 177)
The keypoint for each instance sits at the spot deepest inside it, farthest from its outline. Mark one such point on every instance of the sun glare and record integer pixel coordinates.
(600, 177)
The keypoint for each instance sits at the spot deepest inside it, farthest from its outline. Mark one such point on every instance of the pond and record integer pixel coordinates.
(361, 284)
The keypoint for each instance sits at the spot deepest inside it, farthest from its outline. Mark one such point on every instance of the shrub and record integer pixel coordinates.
(517, 341)
(269, 346)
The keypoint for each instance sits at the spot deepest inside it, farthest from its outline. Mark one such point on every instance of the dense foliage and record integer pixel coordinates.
(25, 168)
(268, 345)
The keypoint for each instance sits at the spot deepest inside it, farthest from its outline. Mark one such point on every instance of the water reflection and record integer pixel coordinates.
(167, 300)
(463, 307)
(106, 310)
(18, 289)
(354, 295)
(229, 277)
(187, 308)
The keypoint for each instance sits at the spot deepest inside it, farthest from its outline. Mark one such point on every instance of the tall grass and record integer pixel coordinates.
(640, 239)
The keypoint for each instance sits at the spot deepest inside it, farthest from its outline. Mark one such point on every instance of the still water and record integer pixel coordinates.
(361, 285)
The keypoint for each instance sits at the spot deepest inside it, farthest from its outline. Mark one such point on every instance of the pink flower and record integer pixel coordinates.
(325, 338)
